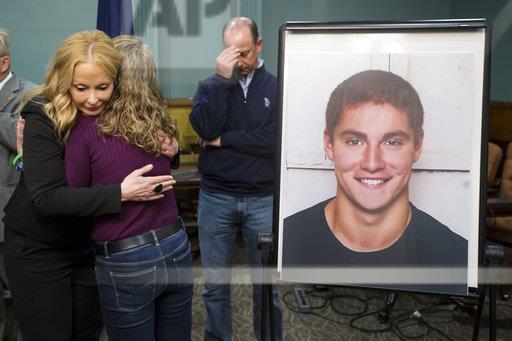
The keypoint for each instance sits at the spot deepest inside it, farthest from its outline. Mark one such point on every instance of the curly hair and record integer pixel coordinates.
(137, 110)
(81, 47)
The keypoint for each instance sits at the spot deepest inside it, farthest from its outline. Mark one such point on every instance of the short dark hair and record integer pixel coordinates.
(379, 87)
(238, 23)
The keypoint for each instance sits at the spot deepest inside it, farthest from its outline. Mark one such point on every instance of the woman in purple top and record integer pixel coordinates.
(48, 253)
(143, 259)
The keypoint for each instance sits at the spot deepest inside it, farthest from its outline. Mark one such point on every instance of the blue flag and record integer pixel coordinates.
(115, 17)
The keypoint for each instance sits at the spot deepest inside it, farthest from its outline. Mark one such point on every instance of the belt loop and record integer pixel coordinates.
(155, 238)
(180, 222)
(105, 249)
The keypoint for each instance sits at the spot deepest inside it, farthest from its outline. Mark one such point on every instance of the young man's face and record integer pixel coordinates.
(373, 149)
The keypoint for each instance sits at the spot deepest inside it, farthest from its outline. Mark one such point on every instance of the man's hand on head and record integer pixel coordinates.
(227, 61)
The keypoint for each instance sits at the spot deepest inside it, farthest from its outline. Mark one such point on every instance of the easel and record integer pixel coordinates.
(390, 302)
(493, 255)
(265, 244)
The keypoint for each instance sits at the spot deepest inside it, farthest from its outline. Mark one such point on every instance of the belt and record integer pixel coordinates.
(109, 247)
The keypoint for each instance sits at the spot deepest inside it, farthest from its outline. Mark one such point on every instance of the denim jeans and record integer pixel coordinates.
(219, 216)
(146, 292)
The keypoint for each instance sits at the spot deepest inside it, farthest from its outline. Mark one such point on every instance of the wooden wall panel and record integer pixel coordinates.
(500, 121)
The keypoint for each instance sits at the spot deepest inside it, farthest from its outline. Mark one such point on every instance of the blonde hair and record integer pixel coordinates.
(137, 110)
(81, 47)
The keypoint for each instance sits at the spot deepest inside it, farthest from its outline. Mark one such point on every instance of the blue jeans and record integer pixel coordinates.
(146, 292)
(219, 216)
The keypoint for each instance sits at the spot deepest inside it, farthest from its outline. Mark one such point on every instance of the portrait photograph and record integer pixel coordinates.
(380, 163)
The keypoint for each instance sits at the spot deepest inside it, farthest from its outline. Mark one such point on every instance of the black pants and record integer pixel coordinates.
(9, 329)
(53, 289)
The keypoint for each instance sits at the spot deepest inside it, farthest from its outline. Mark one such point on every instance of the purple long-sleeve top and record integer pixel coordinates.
(93, 158)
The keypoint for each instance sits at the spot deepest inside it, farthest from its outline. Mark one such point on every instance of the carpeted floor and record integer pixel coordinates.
(341, 313)
(352, 314)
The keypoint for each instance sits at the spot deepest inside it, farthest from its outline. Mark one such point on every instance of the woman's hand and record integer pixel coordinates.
(19, 135)
(170, 145)
(136, 187)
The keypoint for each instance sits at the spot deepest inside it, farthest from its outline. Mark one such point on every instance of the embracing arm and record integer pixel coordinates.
(45, 178)
(77, 163)
(170, 148)
(46, 182)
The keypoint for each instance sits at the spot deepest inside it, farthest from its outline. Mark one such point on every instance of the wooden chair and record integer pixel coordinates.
(499, 228)
(506, 175)
(493, 163)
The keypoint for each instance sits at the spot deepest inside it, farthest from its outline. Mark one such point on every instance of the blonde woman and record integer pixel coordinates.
(48, 250)
(143, 259)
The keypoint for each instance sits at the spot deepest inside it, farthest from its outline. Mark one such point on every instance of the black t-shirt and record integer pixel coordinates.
(309, 242)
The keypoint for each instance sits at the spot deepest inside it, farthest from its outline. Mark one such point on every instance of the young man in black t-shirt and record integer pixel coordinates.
(373, 135)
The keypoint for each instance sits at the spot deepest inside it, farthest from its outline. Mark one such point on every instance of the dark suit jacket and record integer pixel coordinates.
(42, 206)
(10, 99)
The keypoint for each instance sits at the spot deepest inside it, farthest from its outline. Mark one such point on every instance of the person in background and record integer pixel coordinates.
(143, 256)
(12, 89)
(234, 114)
(48, 251)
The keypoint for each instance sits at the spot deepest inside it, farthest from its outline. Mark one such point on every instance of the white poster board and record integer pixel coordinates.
(445, 64)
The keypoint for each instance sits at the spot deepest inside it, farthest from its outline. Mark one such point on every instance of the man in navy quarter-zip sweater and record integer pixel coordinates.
(234, 114)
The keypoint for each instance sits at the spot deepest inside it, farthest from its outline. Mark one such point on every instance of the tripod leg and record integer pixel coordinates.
(267, 309)
(264, 300)
(270, 297)
(264, 243)
(492, 312)
(478, 316)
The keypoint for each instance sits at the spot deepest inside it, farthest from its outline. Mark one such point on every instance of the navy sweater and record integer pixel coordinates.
(244, 165)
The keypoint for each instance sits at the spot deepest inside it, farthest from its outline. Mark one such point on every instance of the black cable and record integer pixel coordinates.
(438, 318)
(401, 325)
(423, 319)
(289, 305)
(328, 319)
(368, 330)
(439, 331)
(335, 298)
(324, 299)
(294, 308)
(398, 329)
